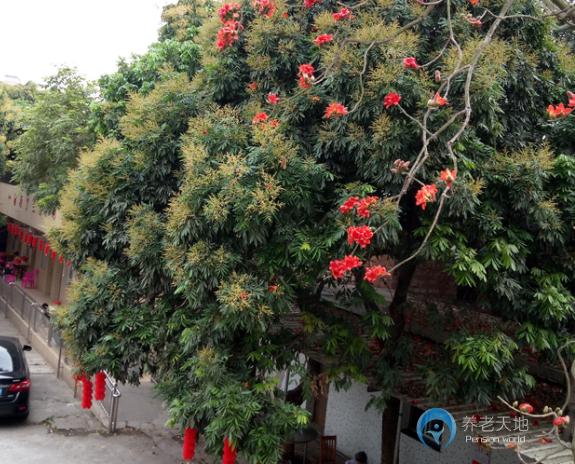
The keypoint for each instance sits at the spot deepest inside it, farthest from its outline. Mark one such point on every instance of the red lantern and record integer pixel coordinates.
(230, 453)
(100, 386)
(86, 393)
(46, 249)
(189, 446)
(61, 259)
(53, 256)
(34, 241)
(40, 244)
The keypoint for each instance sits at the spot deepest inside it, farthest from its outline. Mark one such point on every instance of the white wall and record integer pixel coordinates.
(356, 428)
(15, 204)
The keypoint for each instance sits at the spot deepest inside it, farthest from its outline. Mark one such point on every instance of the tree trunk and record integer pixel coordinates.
(389, 431)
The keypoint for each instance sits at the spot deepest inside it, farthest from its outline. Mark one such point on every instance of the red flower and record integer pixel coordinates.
(273, 99)
(265, 7)
(474, 2)
(437, 101)
(571, 97)
(410, 63)
(228, 34)
(364, 205)
(448, 176)
(310, 3)
(348, 205)
(229, 11)
(391, 99)
(375, 272)
(273, 288)
(473, 20)
(559, 111)
(285, 15)
(335, 109)
(253, 86)
(323, 39)
(344, 13)
(260, 117)
(274, 123)
(527, 408)
(306, 75)
(339, 267)
(561, 421)
(426, 194)
(361, 235)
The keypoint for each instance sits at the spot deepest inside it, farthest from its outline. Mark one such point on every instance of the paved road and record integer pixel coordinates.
(58, 431)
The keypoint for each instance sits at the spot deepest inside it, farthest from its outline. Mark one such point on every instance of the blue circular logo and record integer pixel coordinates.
(431, 427)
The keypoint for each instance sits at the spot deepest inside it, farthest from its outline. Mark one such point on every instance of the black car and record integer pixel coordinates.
(14, 379)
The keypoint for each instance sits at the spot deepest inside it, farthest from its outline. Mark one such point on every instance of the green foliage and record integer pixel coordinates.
(14, 100)
(199, 232)
(56, 131)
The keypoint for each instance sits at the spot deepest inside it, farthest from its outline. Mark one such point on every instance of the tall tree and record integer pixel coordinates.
(313, 139)
(14, 99)
(57, 130)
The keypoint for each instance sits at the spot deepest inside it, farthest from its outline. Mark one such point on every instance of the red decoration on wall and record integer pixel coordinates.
(189, 446)
(86, 393)
(100, 386)
(46, 249)
(40, 244)
(34, 241)
(53, 256)
(230, 453)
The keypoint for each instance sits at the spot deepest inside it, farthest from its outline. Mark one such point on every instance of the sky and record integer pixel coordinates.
(36, 36)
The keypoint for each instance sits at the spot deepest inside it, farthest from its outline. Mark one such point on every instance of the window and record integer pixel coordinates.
(7, 359)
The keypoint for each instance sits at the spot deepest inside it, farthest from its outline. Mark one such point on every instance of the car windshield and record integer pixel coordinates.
(8, 358)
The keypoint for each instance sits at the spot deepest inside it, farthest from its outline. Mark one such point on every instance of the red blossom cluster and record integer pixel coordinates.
(561, 421)
(560, 110)
(228, 34)
(323, 39)
(253, 86)
(344, 13)
(310, 3)
(375, 272)
(473, 20)
(448, 176)
(362, 206)
(410, 63)
(361, 235)
(391, 99)
(437, 101)
(306, 75)
(273, 98)
(339, 267)
(335, 110)
(426, 194)
(265, 7)
(260, 117)
(229, 11)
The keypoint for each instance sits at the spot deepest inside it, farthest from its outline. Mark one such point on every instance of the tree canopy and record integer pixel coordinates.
(14, 100)
(260, 176)
(57, 129)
